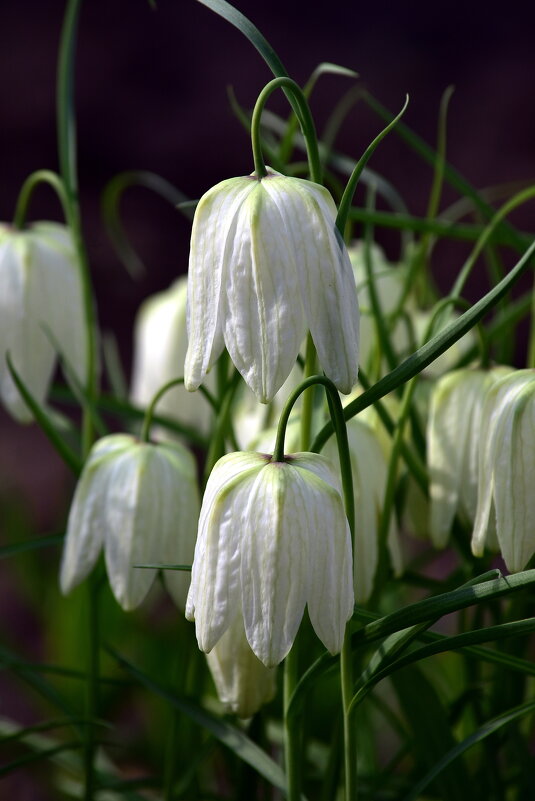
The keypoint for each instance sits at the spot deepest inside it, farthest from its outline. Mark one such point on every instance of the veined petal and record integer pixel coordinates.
(86, 524)
(513, 485)
(215, 581)
(214, 223)
(330, 598)
(263, 316)
(325, 275)
(243, 683)
(178, 518)
(275, 561)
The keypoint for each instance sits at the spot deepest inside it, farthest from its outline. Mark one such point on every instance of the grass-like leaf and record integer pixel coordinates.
(30, 545)
(229, 735)
(450, 756)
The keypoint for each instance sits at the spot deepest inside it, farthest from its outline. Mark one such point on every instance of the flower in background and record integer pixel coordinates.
(160, 345)
(242, 682)
(454, 440)
(138, 501)
(41, 309)
(506, 469)
(369, 471)
(267, 264)
(273, 537)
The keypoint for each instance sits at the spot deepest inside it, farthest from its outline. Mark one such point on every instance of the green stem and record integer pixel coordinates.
(147, 420)
(66, 131)
(307, 127)
(308, 397)
(292, 738)
(92, 640)
(28, 188)
(346, 667)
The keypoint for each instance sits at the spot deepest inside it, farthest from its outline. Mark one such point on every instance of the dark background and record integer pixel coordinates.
(151, 94)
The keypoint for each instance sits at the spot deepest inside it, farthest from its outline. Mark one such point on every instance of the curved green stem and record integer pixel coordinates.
(306, 121)
(147, 420)
(28, 188)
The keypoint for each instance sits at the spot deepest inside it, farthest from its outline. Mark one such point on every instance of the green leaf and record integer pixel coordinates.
(39, 756)
(240, 21)
(428, 720)
(42, 419)
(229, 735)
(432, 349)
(484, 731)
(30, 545)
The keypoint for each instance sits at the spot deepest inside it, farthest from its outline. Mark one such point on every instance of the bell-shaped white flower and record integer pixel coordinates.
(138, 501)
(242, 682)
(40, 303)
(507, 467)
(453, 445)
(369, 472)
(267, 264)
(273, 537)
(160, 345)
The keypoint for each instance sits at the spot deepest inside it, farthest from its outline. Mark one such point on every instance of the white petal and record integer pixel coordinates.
(215, 583)
(263, 317)
(214, 223)
(86, 524)
(275, 561)
(243, 683)
(325, 275)
(330, 597)
(513, 483)
(160, 344)
(178, 518)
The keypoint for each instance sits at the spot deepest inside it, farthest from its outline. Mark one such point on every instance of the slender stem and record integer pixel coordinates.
(66, 132)
(292, 738)
(28, 188)
(147, 420)
(308, 397)
(350, 745)
(92, 683)
(307, 127)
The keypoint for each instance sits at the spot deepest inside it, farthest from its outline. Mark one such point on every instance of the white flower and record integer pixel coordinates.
(160, 344)
(266, 264)
(139, 502)
(369, 472)
(507, 467)
(242, 682)
(389, 281)
(40, 300)
(272, 538)
(453, 446)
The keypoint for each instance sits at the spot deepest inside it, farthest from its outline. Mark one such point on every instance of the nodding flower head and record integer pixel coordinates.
(273, 537)
(266, 265)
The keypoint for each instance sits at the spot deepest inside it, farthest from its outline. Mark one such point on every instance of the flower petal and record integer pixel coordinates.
(214, 223)
(215, 582)
(263, 316)
(325, 275)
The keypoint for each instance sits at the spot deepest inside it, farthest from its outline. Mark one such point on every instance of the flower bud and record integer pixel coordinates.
(40, 303)
(242, 682)
(267, 264)
(139, 502)
(507, 467)
(160, 344)
(273, 537)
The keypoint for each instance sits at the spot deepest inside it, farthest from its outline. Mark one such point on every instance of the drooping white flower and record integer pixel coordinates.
(267, 264)
(40, 303)
(454, 440)
(138, 501)
(273, 537)
(242, 682)
(369, 472)
(160, 345)
(507, 467)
